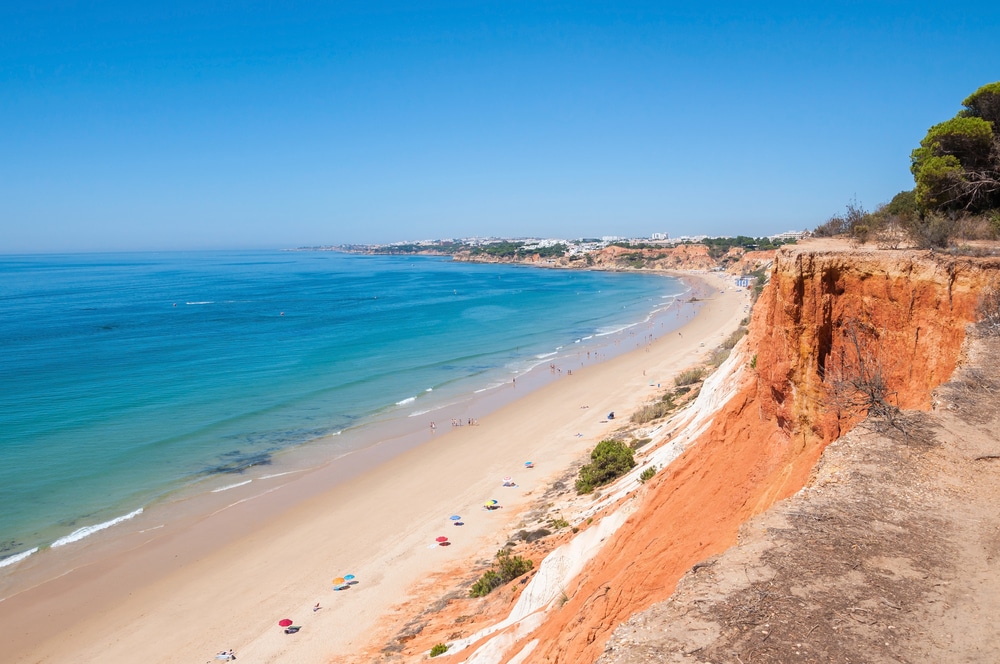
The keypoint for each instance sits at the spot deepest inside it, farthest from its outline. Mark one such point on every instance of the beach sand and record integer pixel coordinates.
(209, 583)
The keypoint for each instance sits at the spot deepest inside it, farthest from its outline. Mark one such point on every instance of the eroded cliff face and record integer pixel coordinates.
(764, 442)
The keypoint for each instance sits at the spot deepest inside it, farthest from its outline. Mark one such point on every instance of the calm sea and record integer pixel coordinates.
(125, 378)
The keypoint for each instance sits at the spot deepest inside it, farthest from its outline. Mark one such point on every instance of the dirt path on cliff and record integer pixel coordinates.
(890, 554)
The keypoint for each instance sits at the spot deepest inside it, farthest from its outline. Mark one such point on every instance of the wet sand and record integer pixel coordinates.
(207, 582)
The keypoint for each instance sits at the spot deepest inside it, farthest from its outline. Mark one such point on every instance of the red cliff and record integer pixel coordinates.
(764, 441)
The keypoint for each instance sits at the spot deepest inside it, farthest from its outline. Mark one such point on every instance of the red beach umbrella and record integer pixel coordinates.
(285, 622)
(442, 539)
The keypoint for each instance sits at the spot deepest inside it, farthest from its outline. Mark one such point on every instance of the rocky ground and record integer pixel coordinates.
(890, 554)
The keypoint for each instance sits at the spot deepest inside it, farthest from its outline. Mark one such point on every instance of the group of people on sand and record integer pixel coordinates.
(226, 655)
(457, 422)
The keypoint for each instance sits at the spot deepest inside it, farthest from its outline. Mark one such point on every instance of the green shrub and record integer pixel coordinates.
(439, 649)
(689, 377)
(651, 411)
(647, 474)
(505, 568)
(559, 523)
(609, 460)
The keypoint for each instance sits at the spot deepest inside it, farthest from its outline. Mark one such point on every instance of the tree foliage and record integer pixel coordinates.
(957, 166)
(609, 460)
(505, 568)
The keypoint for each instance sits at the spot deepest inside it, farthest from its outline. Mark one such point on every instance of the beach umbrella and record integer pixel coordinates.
(508, 479)
(455, 517)
(285, 622)
(348, 577)
(441, 539)
(338, 581)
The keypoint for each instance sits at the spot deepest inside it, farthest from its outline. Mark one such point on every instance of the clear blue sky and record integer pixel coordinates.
(279, 124)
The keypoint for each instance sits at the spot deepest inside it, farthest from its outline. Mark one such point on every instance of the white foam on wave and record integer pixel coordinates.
(545, 355)
(208, 302)
(406, 401)
(80, 533)
(617, 330)
(429, 389)
(230, 486)
(287, 472)
(17, 557)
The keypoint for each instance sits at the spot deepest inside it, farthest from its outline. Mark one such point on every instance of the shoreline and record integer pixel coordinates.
(367, 516)
(35, 544)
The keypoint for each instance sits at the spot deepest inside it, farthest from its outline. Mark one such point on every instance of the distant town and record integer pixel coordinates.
(557, 247)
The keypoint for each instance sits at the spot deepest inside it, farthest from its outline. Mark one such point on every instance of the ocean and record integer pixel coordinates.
(128, 378)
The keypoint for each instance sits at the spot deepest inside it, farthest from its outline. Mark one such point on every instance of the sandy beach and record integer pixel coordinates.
(210, 583)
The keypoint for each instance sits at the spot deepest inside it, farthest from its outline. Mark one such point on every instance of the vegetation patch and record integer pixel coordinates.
(690, 377)
(734, 338)
(439, 649)
(504, 569)
(647, 474)
(718, 356)
(956, 171)
(610, 460)
(650, 412)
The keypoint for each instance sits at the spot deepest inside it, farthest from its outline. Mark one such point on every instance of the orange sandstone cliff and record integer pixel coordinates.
(764, 441)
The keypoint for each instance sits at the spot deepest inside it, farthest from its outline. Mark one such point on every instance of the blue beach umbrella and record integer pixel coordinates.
(455, 517)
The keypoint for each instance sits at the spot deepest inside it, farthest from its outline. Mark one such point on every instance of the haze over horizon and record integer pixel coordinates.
(273, 125)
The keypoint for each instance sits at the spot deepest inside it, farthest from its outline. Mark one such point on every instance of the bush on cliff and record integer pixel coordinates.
(609, 460)
(689, 377)
(505, 568)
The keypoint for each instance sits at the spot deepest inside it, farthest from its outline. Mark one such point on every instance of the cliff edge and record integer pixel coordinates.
(833, 322)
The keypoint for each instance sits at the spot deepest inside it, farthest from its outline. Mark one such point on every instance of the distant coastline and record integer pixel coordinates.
(735, 255)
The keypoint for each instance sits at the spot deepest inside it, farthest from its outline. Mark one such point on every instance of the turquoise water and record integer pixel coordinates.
(125, 377)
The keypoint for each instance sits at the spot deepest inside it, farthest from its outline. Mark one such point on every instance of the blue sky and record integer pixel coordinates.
(188, 125)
